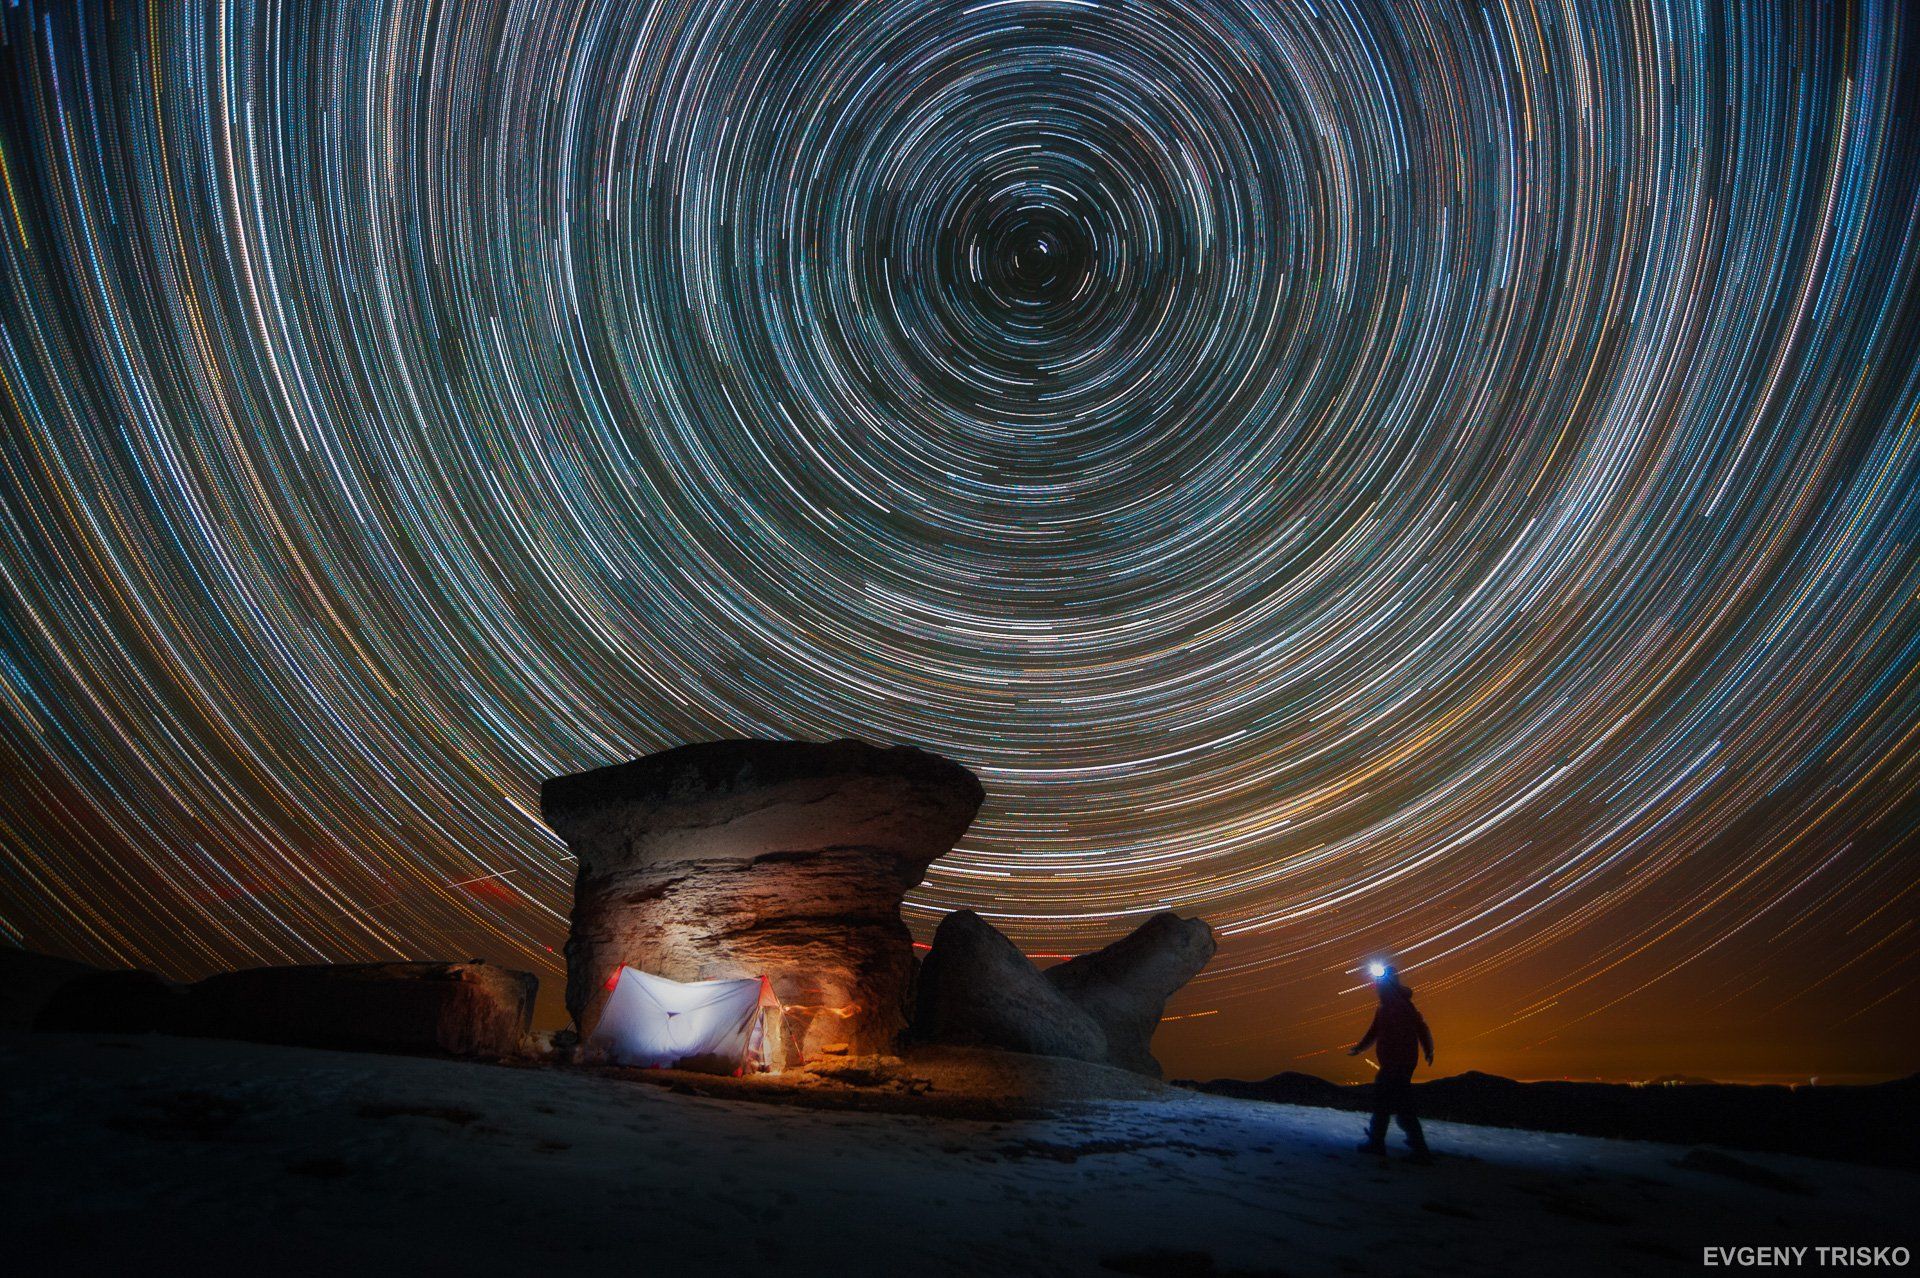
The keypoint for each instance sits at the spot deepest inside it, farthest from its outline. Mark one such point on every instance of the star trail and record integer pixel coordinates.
(1429, 479)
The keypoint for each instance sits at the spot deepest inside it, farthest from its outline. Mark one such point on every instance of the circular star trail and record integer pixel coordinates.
(1434, 479)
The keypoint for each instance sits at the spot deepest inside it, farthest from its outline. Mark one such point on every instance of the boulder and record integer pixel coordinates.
(28, 980)
(128, 1001)
(978, 990)
(783, 859)
(1125, 986)
(453, 1009)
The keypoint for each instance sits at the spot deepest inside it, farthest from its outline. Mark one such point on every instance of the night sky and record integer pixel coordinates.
(1414, 478)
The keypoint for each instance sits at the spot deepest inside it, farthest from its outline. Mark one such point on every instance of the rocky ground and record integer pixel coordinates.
(1865, 1124)
(145, 1153)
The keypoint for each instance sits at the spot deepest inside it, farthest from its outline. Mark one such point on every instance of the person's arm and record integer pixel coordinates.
(1366, 1041)
(1426, 1036)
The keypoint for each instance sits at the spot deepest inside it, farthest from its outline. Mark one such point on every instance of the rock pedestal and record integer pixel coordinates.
(747, 858)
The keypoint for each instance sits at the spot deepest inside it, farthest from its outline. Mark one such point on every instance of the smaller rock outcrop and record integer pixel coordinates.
(1125, 987)
(129, 1001)
(28, 980)
(453, 1009)
(112, 1002)
(978, 990)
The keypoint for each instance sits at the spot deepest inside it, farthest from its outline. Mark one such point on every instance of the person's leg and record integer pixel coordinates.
(1384, 1103)
(1410, 1119)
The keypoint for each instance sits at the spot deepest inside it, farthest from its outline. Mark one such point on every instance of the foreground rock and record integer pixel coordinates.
(1125, 987)
(927, 1081)
(455, 1009)
(739, 858)
(978, 990)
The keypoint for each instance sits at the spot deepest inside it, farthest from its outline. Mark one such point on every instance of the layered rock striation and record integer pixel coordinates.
(782, 859)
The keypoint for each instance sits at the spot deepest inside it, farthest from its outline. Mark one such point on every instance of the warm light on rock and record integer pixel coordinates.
(744, 858)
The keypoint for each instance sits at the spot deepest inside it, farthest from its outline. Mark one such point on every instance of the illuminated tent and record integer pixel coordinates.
(715, 1026)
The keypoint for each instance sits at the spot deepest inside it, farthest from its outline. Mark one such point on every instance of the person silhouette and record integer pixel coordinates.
(1398, 1034)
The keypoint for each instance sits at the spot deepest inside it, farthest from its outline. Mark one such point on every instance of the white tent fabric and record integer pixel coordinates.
(657, 1023)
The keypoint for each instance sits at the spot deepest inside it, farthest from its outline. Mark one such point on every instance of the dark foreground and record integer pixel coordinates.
(147, 1154)
(1879, 1125)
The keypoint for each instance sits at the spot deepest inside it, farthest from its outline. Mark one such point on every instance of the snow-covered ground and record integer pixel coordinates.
(143, 1154)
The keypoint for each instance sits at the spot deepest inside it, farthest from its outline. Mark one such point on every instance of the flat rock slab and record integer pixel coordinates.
(927, 1081)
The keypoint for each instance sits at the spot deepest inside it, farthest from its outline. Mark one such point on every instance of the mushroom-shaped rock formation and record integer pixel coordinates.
(978, 990)
(1125, 986)
(783, 859)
